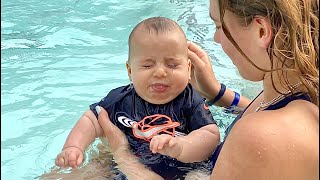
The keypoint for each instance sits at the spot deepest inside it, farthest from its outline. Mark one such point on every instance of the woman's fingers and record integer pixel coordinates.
(103, 119)
(197, 55)
(196, 49)
(195, 60)
(115, 136)
(202, 76)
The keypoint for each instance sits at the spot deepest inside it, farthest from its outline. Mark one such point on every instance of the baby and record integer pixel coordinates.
(157, 109)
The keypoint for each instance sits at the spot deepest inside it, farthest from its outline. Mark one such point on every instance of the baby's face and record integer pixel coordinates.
(159, 67)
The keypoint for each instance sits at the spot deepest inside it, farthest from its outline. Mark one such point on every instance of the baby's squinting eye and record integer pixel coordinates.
(147, 66)
(172, 65)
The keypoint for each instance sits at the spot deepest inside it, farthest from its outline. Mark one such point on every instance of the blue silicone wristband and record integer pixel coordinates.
(220, 94)
(236, 99)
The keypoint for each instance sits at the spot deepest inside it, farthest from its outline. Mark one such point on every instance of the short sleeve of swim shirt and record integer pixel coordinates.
(195, 110)
(109, 102)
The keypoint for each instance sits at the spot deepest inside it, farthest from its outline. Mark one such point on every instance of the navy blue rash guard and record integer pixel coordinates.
(278, 105)
(125, 107)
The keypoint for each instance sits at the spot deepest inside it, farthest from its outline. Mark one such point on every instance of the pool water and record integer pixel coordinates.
(57, 57)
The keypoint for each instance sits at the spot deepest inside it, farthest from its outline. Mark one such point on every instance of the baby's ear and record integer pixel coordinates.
(129, 70)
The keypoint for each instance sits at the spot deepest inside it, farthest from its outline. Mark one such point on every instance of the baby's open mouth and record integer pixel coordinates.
(159, 87)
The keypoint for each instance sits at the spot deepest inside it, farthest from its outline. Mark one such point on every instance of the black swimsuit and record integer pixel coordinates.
(278, 105)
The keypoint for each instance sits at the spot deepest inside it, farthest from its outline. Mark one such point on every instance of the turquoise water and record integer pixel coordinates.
(57, 57)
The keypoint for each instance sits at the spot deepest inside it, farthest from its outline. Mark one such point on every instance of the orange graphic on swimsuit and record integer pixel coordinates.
(149, 127)
(205, 107)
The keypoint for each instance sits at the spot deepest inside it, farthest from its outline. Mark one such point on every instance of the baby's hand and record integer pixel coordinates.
(70, 157)
(166, 145)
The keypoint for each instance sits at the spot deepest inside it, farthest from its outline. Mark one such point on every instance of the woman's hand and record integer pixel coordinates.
(127, 162)
(116, 138)
(202, 75)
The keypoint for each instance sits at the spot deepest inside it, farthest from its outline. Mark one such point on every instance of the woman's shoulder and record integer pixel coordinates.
(302, 106)
(294, 115)
(275, 144)
(298, 123)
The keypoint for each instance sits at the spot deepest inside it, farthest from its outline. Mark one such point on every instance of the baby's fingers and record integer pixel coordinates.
(72, 159)
(80, 159)
(163, 142)
(172, 143)
(60, 160)
(158, 142)
(154, 144)
(66, 158)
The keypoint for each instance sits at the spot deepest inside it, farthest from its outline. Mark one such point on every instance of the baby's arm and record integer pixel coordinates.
(194, 147)
(81, 136)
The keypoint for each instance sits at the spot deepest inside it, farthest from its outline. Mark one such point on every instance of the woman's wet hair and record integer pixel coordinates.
(295, 26)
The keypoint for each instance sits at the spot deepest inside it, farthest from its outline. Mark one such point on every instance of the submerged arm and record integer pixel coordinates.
(129, 164)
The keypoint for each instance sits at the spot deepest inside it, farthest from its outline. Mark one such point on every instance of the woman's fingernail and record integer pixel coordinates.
(98, 109)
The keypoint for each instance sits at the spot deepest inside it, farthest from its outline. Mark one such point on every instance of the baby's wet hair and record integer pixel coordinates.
(155, 25)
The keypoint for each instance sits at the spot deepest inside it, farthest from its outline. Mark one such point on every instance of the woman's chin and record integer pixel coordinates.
(249, 76)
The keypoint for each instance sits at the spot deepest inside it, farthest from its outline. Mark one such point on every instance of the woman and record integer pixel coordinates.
(277, 135)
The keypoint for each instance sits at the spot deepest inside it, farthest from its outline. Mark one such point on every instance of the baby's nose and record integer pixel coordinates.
(160, 71)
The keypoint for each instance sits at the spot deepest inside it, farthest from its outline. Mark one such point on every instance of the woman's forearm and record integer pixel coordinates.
(228, 97)
(129, 164)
